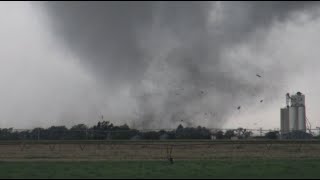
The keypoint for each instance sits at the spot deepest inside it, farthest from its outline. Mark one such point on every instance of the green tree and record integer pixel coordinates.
(79, 131)
(272, 135)
(219, 134)
(229, 134)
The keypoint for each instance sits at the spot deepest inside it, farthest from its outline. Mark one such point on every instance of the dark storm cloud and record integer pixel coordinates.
(173, 45)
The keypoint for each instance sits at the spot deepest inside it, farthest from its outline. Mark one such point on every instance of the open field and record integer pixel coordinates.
(155, 150)
(279, 168)
(149, 159)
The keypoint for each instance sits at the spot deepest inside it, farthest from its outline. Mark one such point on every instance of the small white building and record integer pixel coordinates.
(213, 137)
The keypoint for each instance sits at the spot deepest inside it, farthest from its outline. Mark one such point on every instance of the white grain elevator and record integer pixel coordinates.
(293, 116)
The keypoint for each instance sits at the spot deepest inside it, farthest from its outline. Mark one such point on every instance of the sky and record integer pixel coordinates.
(155, 65)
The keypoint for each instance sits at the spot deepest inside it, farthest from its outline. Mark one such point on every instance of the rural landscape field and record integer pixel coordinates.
(150, 159)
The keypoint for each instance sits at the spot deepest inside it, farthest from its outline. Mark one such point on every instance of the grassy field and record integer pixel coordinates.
(279, 168)
(156, 150)
(147, 159)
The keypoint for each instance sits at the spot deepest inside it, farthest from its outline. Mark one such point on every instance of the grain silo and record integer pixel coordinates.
(293, 116)
(302, 118)
(284, 120)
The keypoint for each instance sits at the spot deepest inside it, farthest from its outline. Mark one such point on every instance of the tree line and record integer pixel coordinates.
(107, 131)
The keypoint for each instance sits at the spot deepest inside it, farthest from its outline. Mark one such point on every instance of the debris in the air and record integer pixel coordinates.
(239, 107)
(181, 120)
(258, 75)
(261, 101)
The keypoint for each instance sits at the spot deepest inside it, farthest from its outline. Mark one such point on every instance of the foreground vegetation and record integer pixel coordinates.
(162, 169)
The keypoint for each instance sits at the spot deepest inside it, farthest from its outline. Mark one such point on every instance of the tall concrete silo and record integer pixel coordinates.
(284, 113)
(293, 117)
(301, 118)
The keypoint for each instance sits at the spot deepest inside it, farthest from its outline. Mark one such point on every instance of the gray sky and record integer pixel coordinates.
(151, 64)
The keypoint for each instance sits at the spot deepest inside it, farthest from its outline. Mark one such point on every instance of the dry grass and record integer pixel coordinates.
(155, 150)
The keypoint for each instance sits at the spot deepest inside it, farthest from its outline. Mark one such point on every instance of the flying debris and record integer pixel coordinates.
(261, 101)
(258, 75)
(181, 120)
(239, 107)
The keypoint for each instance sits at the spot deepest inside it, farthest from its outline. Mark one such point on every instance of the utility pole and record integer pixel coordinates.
(38, 134)
(86, 133)
(260, 131)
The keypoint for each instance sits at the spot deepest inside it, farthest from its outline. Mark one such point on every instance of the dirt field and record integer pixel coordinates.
(155, 150)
